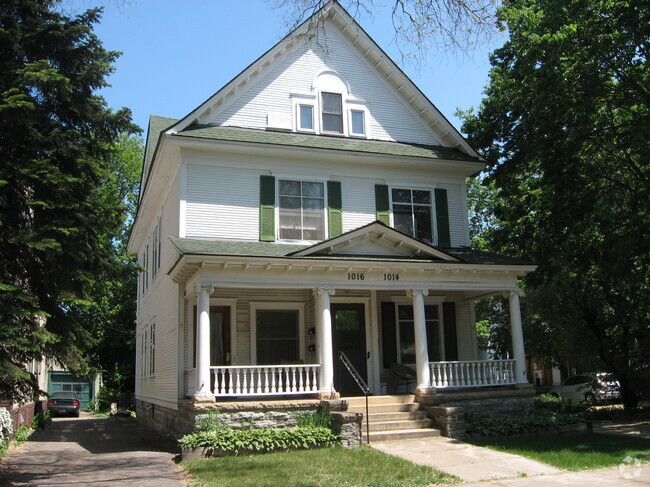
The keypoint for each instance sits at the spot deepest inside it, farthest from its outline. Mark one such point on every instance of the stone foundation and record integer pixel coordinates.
(348, 426)
(487, 401)
(257, 414)
(450, 420)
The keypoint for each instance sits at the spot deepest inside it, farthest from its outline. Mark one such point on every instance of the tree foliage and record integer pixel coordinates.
(564, 126)
(56, 142)
(419, 24)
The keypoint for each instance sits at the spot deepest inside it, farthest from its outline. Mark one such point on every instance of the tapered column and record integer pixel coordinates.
(325, 348)
(517, 335)
(421, 348)
(203, 342)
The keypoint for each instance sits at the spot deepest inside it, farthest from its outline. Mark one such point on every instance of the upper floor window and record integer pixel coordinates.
(332, 112)
(357, 122)
(301, 210)
(413, 212)
(306, 117)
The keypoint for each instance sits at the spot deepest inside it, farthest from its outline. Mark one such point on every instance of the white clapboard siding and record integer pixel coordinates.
(358, 198)
(222, 202)
(295, 71)
(160, 305)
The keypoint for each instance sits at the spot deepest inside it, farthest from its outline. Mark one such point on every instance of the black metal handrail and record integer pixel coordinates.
(362, 385)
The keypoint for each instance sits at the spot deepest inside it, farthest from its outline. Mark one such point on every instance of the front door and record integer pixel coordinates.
(349, 336)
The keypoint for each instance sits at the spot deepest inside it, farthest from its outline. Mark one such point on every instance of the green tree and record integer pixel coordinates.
(57, 139)
(564, 126)
(109, 317)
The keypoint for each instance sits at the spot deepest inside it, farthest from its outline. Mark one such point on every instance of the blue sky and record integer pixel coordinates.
(176, 54)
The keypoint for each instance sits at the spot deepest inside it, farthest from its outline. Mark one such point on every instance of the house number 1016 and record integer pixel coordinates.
(391, 277)
(356, 276)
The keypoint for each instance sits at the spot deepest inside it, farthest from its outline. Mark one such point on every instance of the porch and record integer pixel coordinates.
(303, 379)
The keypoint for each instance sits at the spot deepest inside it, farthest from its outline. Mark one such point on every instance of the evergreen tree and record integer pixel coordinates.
(56, 139)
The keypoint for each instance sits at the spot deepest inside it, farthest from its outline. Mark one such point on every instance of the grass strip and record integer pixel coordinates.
(580, 451)
(324, 467)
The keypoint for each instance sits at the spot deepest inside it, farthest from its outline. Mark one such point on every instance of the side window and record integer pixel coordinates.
(357, 122)
(306, 117)
(277, 336)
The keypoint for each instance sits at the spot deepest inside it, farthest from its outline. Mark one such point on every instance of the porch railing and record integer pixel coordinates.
(264, 380)
(478, 373)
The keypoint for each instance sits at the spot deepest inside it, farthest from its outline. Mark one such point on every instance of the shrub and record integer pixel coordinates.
(41, 420)
(259, 440)
(520, 423)
(105, 396)
(6, 425)
(559, 405)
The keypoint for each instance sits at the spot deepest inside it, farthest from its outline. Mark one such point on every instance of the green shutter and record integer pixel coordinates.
(334, 208)
(267, 208)
(451, 341)
(388, 333)
(382, 203)
(442, 218)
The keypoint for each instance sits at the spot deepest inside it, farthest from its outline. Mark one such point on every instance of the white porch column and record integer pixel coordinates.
(421, 348)
(325, 348)
(203, 342)
(517, 335)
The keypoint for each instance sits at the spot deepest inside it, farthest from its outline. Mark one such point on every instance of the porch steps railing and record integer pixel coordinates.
(478, 373)
(264, 380)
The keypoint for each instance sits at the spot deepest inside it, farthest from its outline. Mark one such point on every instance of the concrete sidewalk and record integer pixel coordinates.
(470, 463)
(629, 476)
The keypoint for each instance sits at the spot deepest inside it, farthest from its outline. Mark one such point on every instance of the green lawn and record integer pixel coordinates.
(326, 467)
(580, 451)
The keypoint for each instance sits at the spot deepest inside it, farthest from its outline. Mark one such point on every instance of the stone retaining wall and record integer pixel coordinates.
(450, 420)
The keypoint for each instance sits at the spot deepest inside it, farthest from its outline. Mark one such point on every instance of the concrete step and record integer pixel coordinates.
(400, 425)
(397, 416)
(372, 400)
(385, 408)
(401, 434)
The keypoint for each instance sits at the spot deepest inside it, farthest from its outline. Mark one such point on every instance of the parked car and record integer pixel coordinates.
(591, 388)
(64, 402)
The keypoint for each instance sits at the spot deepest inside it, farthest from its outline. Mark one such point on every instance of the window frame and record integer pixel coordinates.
(432, 206)
(363, 121)
(300, 127)
(257, 306)
(341, 114)
(325, 215)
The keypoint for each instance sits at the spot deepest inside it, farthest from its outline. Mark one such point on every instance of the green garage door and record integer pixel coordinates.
(64, 381)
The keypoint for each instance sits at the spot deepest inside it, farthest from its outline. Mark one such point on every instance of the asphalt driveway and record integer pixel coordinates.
(92, 452)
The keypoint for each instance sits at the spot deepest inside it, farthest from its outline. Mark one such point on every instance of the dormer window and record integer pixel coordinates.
(332, 110)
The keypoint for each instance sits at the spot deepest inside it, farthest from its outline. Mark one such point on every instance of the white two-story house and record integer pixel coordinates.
(313, 206)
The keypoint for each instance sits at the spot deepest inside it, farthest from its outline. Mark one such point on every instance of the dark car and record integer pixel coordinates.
(64, 402)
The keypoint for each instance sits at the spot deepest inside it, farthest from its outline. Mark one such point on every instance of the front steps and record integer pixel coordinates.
(393, 417)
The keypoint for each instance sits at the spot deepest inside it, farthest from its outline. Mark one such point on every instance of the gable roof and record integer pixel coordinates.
(384, 239)
(375, 55)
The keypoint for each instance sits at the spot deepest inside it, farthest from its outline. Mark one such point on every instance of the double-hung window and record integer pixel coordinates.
(302, 210)
(332, 112)
(413, 212)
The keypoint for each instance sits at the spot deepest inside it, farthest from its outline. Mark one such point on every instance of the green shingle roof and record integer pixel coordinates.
(267, 249)
(156, 126)
(230, 134)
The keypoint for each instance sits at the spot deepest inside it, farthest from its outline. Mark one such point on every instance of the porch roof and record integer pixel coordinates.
(226, 248)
